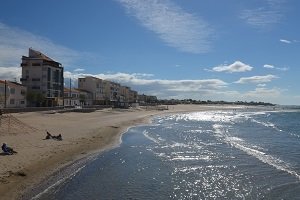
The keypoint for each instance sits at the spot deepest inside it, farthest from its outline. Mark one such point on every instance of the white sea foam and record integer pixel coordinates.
(186, 158)
(58, 182)
(146, 134)
(266, 124)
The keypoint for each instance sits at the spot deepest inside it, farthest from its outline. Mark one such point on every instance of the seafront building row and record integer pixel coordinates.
(42, 85)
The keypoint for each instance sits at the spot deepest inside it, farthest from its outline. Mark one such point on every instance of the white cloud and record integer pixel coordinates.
(177, 28)
(269, 66)
(267, 14)
(277, 68)
(257, 79)
(79, 70)
(237, 66)
(260, 94)
(10, 73)
(160, 87)
(14, 43)
(285, 41)
(262, 85)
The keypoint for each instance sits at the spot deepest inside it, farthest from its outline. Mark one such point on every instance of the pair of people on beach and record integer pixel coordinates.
(7, 150)
(56, 137)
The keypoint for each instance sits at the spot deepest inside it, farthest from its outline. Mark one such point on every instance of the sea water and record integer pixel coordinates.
(198, 155)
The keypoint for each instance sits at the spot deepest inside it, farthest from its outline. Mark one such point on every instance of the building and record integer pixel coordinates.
(43, 78)
(12, 95)
(133, 96)
(77, 97)
(112, 92)
(146, 99)
(71, 97)
(95, 86)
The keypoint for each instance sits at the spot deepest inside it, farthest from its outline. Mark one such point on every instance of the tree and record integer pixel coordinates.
(82, 98)
(35, 98)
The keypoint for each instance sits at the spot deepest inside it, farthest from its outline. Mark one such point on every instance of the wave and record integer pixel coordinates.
(266, 124)
(146, 134)
(250, 150)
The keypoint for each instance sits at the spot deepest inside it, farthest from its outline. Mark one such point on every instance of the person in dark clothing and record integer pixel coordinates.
(58, 137)
(55, 137)
(48, 136)
(7, 150)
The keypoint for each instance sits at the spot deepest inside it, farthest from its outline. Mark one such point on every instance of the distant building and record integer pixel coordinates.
(71, 97)
(133, 96)
(77, 97)
(43, 78)
(95, 86)
(146, 99)
(15, 94)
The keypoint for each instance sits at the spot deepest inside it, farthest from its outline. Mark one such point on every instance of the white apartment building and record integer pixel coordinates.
(14, 96)
(77, 97)
(43, 77)
(95, 86)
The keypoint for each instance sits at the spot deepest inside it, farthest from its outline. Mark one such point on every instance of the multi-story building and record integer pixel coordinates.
(43, 78)
(112, 92)
(95, 86)
(71, 97)
(12, 95)
(146, 99)
(77, 97)
(133, 96)
(124, 93)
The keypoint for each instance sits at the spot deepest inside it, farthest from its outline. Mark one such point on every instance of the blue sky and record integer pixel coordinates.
(208, 50)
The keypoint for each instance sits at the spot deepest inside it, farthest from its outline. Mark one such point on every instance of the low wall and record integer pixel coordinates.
(37, 109)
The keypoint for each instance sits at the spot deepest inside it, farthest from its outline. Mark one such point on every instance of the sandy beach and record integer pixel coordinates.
(83, 134)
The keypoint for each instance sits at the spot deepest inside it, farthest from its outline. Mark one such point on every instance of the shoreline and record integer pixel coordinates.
(99, 131)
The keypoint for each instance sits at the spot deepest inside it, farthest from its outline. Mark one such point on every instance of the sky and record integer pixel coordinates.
(175, 49)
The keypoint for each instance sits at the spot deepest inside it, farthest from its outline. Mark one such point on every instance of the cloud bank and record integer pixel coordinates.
(177, 28)
(257, 79)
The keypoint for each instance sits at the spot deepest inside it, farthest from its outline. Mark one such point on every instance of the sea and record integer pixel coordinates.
(231, 154)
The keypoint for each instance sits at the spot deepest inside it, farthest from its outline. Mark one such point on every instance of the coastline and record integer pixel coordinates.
(83, 134)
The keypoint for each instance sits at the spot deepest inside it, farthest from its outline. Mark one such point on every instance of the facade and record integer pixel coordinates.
(71, 97)
(124, 94)
(43, 78)
(95, 86)
(77, 97)
(112, 92)
(14, 96)
(133, 96)
(146, 99)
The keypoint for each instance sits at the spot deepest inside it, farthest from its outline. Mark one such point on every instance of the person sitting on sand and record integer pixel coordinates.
(56, 137)
(48, 136)
(7, 150)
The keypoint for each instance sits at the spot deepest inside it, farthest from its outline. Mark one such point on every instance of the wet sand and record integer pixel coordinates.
(83, 134)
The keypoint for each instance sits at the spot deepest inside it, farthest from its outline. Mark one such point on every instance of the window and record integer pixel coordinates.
(12, 90)
(22, 102)
(12, 101)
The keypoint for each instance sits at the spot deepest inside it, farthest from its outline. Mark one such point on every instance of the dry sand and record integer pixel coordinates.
(83, 134)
